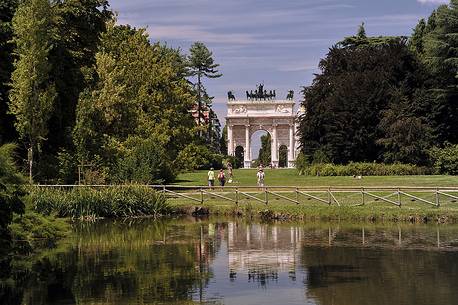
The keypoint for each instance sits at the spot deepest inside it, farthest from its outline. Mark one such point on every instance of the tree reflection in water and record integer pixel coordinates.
(190, 261)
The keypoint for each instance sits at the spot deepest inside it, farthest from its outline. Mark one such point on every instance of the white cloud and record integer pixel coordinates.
(434, 1)
(197, 33)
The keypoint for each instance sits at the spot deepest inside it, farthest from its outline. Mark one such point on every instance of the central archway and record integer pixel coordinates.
(261, 148)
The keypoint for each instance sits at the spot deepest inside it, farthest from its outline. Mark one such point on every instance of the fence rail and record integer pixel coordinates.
(395, 195)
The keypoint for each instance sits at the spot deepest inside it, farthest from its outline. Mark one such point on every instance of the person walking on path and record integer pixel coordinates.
(211, 178)
(260, 175)
(222, 178)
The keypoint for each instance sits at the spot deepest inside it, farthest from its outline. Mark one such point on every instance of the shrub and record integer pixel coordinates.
(302, 163)
(11, 193)
(194, 157)
(110, 202)
(32, 231)
(142, 161)
(364, 169)
(232, 160)
(445, 159)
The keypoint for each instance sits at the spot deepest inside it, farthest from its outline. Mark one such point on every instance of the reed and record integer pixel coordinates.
(107, 202)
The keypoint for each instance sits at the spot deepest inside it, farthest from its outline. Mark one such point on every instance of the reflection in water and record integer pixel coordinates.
(262, 251)
(190, 261)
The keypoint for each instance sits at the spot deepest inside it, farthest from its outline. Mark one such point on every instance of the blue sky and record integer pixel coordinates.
(278, 42)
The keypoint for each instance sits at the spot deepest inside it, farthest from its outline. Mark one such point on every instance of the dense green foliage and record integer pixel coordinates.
(385, 99)
(365, 169)
(33, 91)
(83, 92)
(359, 108)
(33, 231)
(446, 159)
(77, 26)
(111, 202)
(265, 150)
(139, 103)
(440, 54)
(198, 157)
(11, 194)
(7, 10)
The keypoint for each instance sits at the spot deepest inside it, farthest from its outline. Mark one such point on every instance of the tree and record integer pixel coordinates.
(214, 131)
(416, 42)
(361, 79)
(441, 57)
(7, 10)
(265, 150)
(78, 25)
(201, 64)
(139, 92)
(223, 141)
(11, 193)
(32, 92)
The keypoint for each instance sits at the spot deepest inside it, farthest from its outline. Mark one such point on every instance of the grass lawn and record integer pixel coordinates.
(289, 177)
(278, 208)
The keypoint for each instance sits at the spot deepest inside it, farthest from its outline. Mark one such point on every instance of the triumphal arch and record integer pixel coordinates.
(261, 110)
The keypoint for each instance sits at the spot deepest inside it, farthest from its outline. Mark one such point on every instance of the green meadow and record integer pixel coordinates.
(290, 177)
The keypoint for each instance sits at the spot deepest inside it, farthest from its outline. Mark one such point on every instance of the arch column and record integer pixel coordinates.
(274, 146)
(247, 161)
(230, 140)
(291, 151)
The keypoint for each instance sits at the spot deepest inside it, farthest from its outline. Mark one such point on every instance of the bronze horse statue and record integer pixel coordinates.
(290, 95)
(230, 96)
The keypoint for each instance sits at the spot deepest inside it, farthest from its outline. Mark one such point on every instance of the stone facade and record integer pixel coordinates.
(277, 117)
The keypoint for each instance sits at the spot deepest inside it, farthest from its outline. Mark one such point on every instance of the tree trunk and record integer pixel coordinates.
(199, 103)
(30, 159)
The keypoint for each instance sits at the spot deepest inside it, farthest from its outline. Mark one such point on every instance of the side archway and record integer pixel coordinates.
(283, 156)
(239, 156)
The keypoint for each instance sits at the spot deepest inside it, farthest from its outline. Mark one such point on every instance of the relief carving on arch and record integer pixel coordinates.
(239, 109)
(282, 109)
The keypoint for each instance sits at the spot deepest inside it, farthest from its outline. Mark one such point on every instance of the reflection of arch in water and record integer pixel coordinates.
(239, 156)
(283, 156)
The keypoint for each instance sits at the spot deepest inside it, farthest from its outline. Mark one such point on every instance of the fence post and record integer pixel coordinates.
(266, 198)
(237, 196)
(399, 197)
(297, 195)
(201, 196)
(329, 196)
(437, 198)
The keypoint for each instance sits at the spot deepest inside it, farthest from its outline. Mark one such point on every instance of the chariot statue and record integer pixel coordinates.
(260, 94)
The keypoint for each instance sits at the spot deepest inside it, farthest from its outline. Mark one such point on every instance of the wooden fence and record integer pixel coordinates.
(395, 195)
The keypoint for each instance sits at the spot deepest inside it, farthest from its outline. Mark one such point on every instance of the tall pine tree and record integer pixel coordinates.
(201, 64)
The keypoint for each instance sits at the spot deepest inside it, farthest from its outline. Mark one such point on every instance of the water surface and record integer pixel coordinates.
(233, 261)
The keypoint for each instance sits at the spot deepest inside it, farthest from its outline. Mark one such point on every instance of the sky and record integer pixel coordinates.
(275, 42)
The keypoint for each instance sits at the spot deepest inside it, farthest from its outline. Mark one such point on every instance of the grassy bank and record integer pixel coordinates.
(284, 210)
(290, 177)
(108, 202)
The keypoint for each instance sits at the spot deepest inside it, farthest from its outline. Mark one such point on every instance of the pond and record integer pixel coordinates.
(237, 261)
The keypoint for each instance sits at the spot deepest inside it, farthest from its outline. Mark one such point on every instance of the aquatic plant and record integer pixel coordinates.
(91, 202)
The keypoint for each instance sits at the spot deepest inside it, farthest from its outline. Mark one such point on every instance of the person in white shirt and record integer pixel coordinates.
(260, 175)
